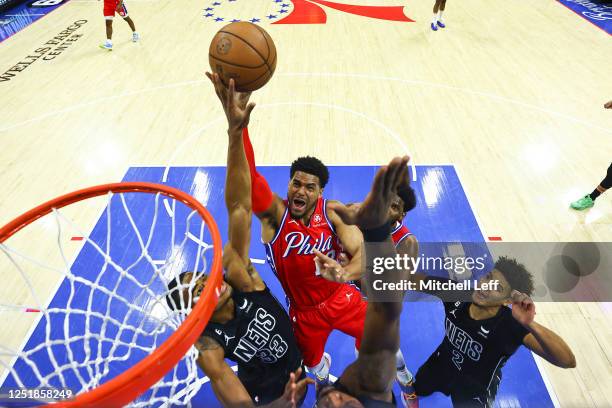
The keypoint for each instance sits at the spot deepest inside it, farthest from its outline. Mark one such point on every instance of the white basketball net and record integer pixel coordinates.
(109, 318)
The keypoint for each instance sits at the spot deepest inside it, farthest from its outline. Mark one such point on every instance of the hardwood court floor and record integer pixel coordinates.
(509, 93)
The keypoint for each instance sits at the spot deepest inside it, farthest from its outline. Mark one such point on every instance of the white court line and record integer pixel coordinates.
(99, 100)
(378, 123)
(188, 139)
(258, 261)
(394, 135)
(467, 197)
(488, 95)
(547, 383)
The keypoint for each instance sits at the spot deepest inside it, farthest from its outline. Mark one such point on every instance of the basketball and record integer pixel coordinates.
(245, 52)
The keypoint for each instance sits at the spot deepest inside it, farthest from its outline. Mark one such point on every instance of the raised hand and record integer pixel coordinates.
(235, 104)
(523, 308)
(329, 268)
(373, 211)
(294, 391)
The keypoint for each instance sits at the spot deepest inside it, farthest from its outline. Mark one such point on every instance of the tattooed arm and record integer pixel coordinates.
(226, 385)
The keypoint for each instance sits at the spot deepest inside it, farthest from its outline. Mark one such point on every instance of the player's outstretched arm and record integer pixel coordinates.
(374, 371)
(240, 273)
(226, 385)
(541, 340)
(267, 206)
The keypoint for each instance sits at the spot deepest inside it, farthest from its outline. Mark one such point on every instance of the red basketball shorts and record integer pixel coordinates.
(114, 6)
(345, 310)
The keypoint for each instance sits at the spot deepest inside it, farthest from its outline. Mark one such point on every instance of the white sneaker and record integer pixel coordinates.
(107, 46)
(325, 379)
(404, 377)
(135, 37)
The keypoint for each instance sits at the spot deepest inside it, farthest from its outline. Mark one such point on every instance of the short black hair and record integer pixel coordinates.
(173, 296)
(406, 193)
(311, 165)
(516, 274)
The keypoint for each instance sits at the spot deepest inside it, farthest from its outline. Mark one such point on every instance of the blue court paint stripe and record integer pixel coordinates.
(443, 215)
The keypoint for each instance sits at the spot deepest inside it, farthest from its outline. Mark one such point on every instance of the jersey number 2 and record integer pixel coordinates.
(457, 359)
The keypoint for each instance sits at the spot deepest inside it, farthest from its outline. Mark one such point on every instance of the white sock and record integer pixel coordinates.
(109, 42)
(321, 370)
(435, 19)
(440, 15)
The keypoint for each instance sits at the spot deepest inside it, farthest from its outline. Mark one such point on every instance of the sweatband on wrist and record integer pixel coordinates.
(377, 234)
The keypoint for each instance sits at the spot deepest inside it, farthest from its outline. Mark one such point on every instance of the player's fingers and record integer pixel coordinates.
(249, 109)
(378, 184)
(392, 175)
(219, 87)
(402, 177)
(214, 80)
(318, 266)
(231, 91)
(343, 259)
(320, 256)
(289, 384)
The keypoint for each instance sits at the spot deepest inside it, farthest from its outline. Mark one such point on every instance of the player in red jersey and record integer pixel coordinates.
(292, 230)
(110, 8)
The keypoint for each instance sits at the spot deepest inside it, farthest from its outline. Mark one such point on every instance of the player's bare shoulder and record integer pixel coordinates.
(330, 205)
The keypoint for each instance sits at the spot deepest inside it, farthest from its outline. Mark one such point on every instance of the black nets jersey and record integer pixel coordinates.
(474, 351)
(259, 339)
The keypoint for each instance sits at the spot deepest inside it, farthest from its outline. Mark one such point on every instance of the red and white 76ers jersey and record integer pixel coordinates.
(290, 254)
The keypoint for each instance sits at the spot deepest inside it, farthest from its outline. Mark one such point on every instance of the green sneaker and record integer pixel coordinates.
(106, 46)
(582, 204)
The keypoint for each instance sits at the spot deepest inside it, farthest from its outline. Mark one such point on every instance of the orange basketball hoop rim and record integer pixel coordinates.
(127, 386)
